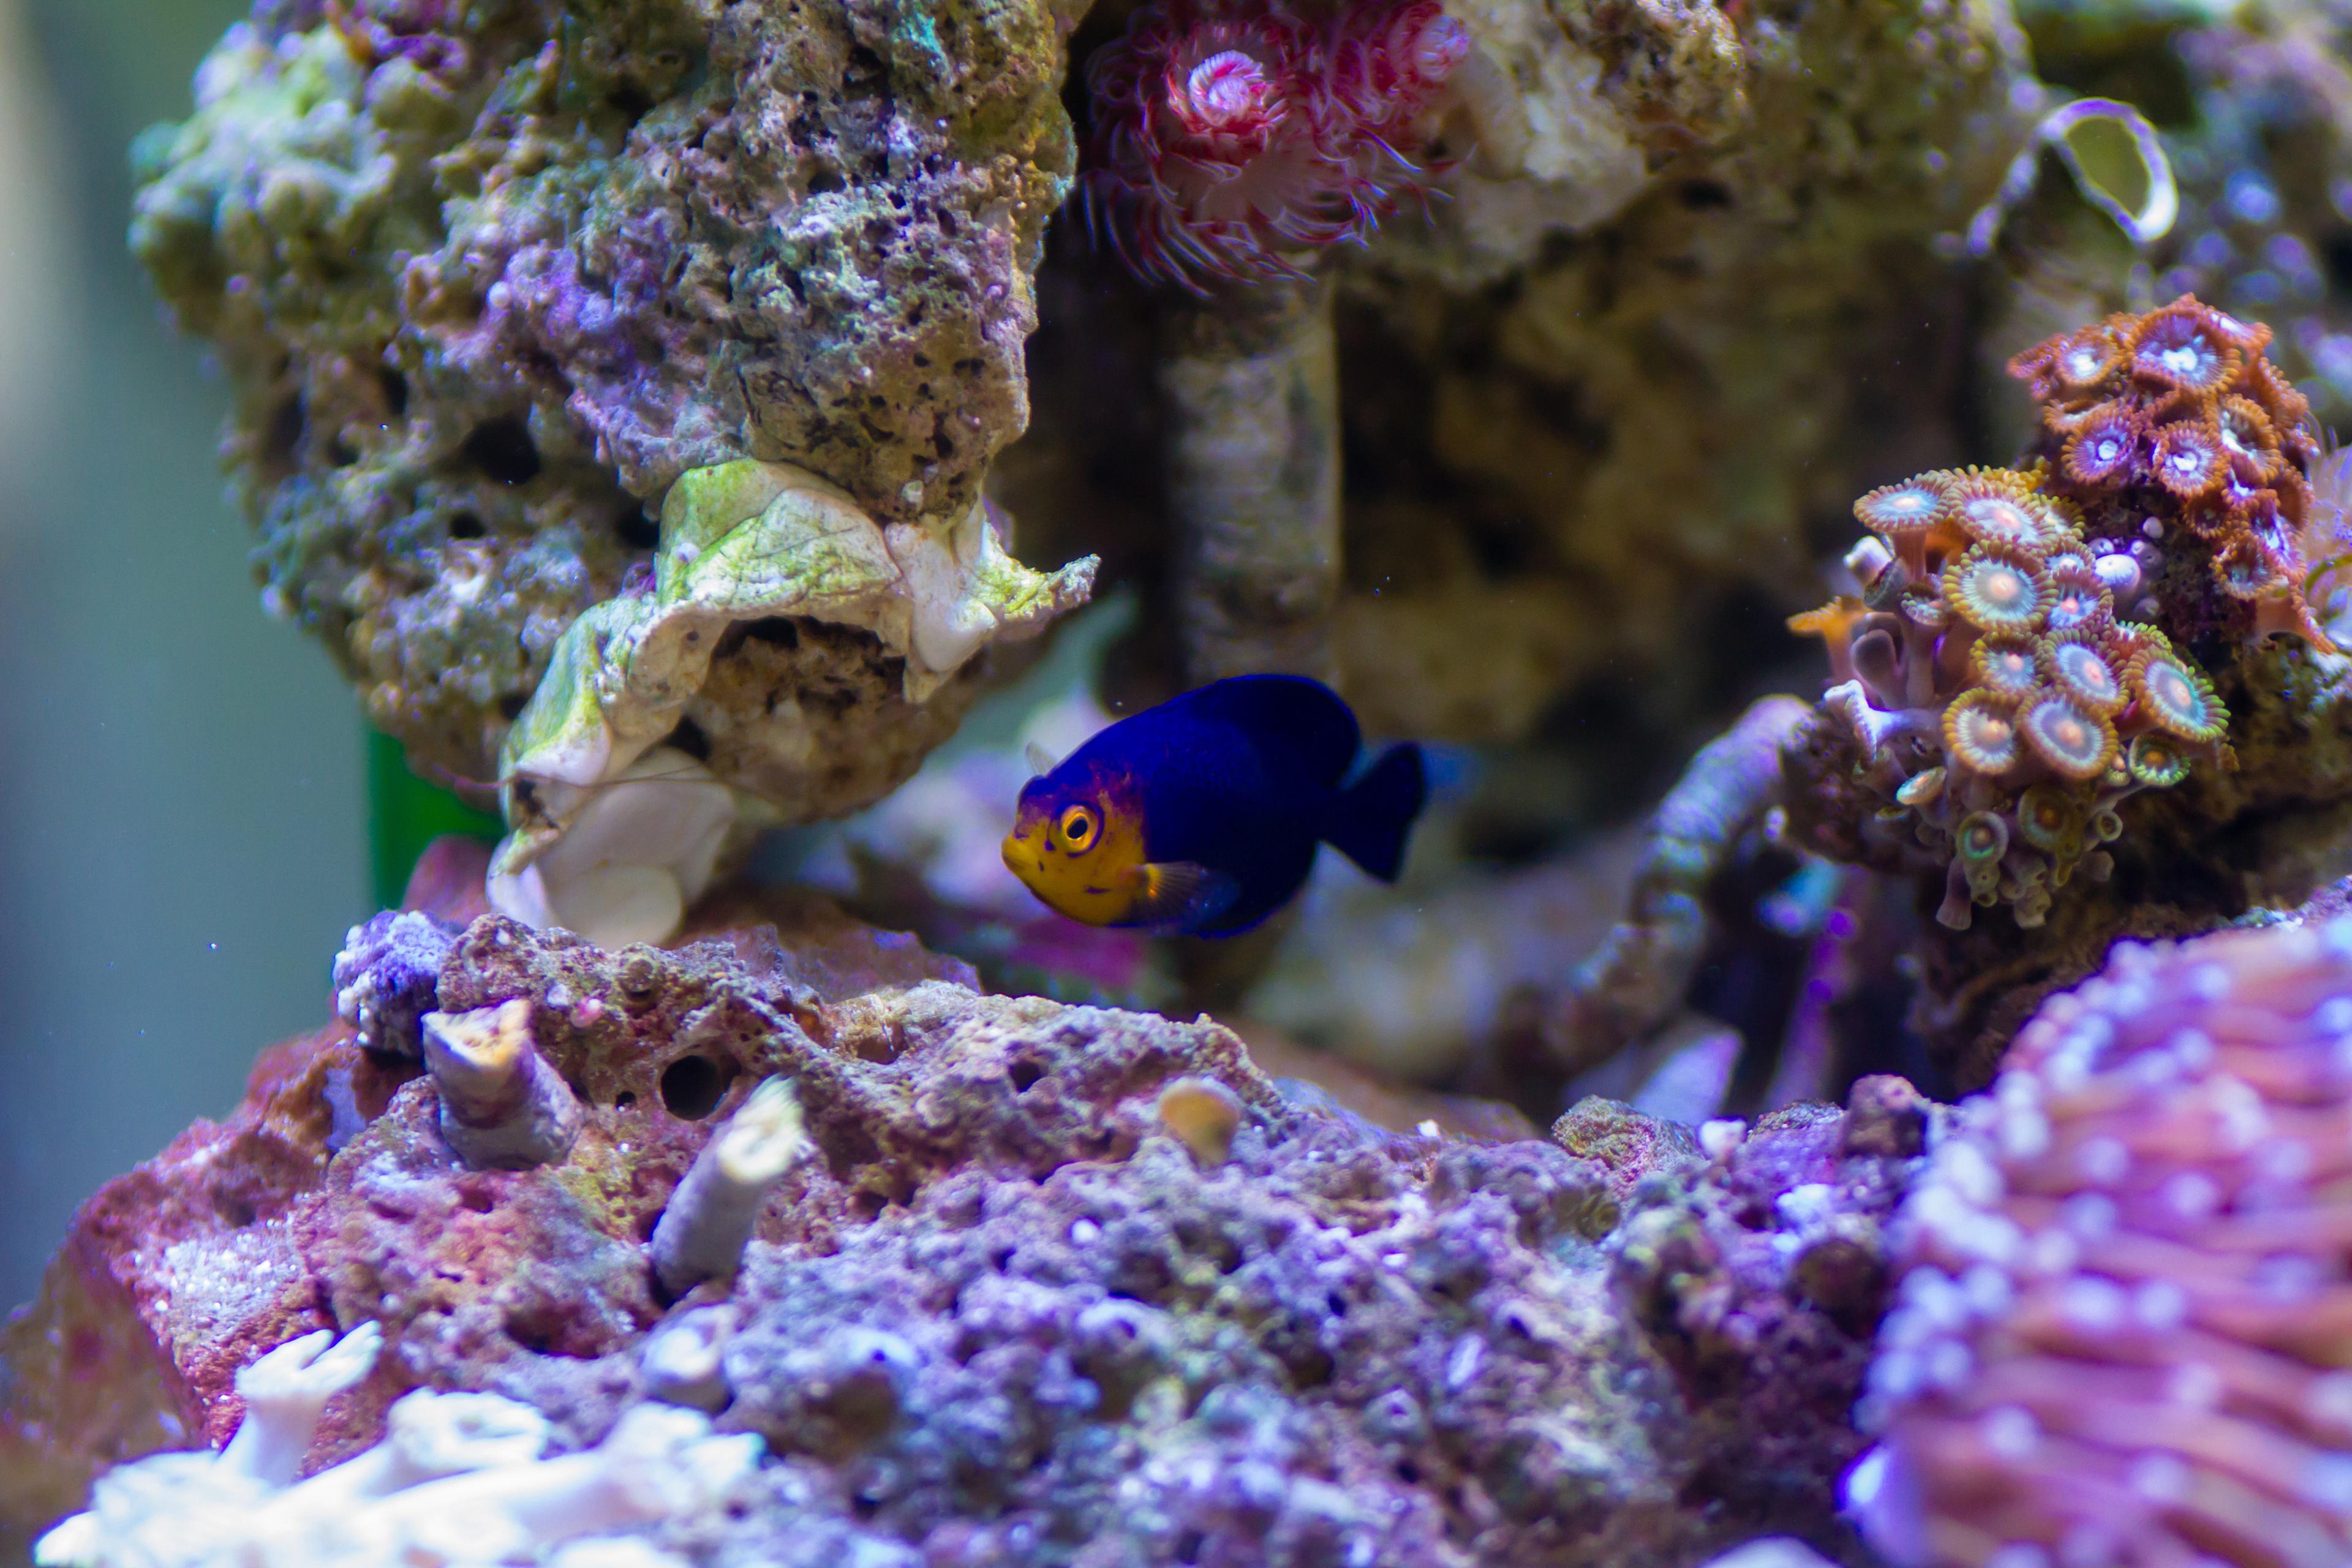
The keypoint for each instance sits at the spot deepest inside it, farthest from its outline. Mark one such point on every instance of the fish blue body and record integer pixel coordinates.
(1204, 815)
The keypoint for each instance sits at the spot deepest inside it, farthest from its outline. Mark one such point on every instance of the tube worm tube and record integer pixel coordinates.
(702, 1233)
(1250, 385)
(502, 1107)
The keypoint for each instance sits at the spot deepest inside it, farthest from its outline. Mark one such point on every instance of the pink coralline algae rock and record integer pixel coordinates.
(998, 1311)
(2120, 1333)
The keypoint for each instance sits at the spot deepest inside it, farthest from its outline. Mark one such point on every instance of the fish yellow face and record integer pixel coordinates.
(1080, 850)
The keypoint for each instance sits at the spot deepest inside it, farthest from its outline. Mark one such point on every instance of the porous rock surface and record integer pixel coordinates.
(488, 277)
(1004, 1316)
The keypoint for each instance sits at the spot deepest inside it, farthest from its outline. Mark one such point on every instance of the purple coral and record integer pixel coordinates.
(2118, 1335)
(387, 977)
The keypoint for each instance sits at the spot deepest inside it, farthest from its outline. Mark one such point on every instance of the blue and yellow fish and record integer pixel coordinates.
(1202, 814)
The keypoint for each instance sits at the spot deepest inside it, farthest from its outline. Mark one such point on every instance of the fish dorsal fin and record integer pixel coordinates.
(1041, 760)
(1180, 895)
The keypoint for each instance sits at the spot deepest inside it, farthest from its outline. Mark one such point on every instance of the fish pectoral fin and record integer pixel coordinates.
(1180, 894)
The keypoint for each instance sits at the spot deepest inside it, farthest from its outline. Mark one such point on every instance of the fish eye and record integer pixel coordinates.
(1078, 828)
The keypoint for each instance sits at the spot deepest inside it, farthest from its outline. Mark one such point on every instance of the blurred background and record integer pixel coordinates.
(182, 826)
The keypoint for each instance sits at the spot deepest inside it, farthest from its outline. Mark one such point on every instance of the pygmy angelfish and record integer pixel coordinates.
(1202, 814)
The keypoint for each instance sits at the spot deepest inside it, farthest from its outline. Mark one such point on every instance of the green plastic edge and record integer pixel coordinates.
(405, 813)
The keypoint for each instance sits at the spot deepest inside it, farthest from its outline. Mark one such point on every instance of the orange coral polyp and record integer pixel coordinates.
(2246, 570)
(2106, 448)
(2252, 444)
(2183, 347)
(2075, 741)
(2087, 358)
(2188, 459)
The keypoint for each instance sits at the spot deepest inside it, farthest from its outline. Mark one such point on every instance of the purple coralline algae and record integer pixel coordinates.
(2117, 1336)
(1044, 1285)
(385, 978)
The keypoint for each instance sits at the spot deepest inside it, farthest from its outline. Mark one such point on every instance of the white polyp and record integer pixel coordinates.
(2025, 1135)
(636, 851)
(2193, 1050)
(2159, 1305)
(1987, 1290)
(1948, 1366)
(2054, 1253)
(2091, 1215)
(2327, 1482)
(1974, 1176)
(2103, 1160)
(2010, 1431)
(2192, 1195)
(2334, 1016)
(2194, 1384)
(2017, 1554)
(2329, 1398)
(2160, 1478)
(1719, 1137)
(2337, 936)
(285, 1393)
(1882, 1495)
(683, 1361)
(2093, 1303)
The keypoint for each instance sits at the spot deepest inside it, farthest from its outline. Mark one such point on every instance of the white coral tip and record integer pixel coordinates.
(78, 1542)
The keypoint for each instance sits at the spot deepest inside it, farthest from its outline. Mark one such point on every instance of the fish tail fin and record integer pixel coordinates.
(1372, 817)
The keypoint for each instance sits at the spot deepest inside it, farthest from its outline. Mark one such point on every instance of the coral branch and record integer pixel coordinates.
(457, 1478)
(285, 1392)
(703, 1231)
(502, 1107)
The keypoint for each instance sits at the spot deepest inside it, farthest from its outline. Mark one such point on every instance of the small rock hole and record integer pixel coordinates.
(692, 1087)
(625, 1099)
(394, 388)
(466, 525)
(1026, 1075)
(504, 450)
(285, 431)
(512, 703)
(690, 738)
(636, 531)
